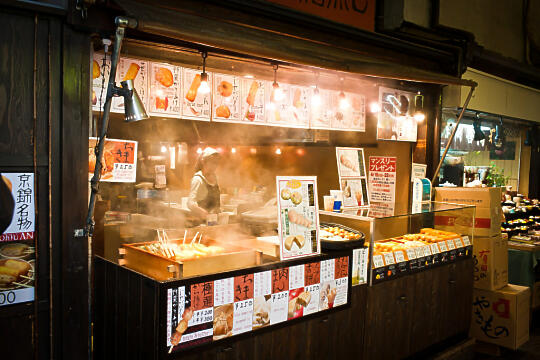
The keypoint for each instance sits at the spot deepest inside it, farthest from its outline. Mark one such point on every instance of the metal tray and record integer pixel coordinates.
(345, 244)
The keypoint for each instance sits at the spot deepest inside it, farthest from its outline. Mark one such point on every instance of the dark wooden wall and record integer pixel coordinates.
(44, 102)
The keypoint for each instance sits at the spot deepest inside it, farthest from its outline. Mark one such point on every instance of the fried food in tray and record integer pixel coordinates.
(425, 237)
(15, 273)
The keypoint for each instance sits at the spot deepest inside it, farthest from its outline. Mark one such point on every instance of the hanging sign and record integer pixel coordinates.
(17, 242)
(382, 179)
(119, 162)
(298, 216)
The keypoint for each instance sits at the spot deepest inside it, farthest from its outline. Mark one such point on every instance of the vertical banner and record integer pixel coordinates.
(382, 179)
(298, 216)
(17, 241)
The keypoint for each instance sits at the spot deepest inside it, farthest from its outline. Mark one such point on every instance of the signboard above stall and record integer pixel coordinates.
(356, 13)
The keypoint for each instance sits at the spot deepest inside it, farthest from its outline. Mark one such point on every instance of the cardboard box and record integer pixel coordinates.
(536, 295)
(488, 217)
(490, 262)
(501, 317)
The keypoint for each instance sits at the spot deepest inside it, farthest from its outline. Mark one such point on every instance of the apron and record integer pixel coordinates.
(212, 202)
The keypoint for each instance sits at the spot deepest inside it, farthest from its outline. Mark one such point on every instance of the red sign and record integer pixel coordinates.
(243, 287)
(202, 295)
(356, 13)
(312, 274)
(342, 267)
(280, 280)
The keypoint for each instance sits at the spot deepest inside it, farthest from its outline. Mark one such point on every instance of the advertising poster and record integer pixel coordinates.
(100, 77)
(298, 216)
(136, 70)
(352, 177)
(226, 100)
(253, 98)
(358, 112)
(119, 163)
(17, 238)
(300, 105)
(165, 90)
(195, 104)
(341, 116)
(396, 121)
(382, 179)
(277, 110)
(321, 115)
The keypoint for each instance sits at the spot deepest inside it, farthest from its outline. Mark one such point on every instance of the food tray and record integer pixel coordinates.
(345, 244)
(162, 268)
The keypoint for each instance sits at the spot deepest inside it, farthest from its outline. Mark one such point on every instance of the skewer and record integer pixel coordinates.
(23, 285)
(170, 349)
(195, 237)
(200, 237)
(26, 277)
(185, 234)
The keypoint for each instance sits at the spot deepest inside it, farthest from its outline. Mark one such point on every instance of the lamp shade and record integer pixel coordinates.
(133, 106)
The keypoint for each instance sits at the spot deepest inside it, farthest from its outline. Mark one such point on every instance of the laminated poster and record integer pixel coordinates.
(321, 115)
(136, 70)
(352, 177)
(195, 105)
(382, 179)
(298, 216)
(200, 313)
(165, 90)
(17, 242)
(277, 111)
(252, 101)
(119, 163)
(300, 106)
(100, 78)
(351, 117)
(226, 101)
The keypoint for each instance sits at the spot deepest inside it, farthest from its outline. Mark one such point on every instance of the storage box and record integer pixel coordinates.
(536, 295)
(501, 317)
(490, 262)
(488, 216)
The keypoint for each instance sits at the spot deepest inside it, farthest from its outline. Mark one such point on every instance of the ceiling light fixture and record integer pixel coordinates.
(204, 88)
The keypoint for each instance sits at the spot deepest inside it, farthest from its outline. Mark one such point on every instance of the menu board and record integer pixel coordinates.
(299, 106)
(396, 120)
(277, 111)
(226, 100)
(358, 112)
(341, 116)
(253, 99)
(119, 162)
(321, 115)
(203, 312)
(195, 105)
(100, 78)
(352, 176)
(165, 90)
(298, 216)
(17, 241)
(136, 70)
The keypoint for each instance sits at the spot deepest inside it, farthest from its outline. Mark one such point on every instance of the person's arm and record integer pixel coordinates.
(198, 192)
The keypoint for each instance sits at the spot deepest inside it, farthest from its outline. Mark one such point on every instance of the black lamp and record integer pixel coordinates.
(477, 126)
(498, 139)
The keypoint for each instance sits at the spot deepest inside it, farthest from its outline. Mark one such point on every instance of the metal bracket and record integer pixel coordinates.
(78, 233)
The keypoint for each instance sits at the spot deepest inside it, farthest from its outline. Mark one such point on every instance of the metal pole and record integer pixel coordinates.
(436, 174)
(121, 24)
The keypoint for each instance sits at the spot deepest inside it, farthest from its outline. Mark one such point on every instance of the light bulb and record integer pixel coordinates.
(343, 102)
(163, 149)
(419, 116)
(233, 150)
(278, 151)
(199, 151)
(253, 151)
(159, 92)
(248, 76)
(300, 152)
(374, 107)
(204, 88)
(316, 98)
(277, 93)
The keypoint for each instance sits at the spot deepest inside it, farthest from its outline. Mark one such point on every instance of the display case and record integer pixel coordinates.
(412, 239)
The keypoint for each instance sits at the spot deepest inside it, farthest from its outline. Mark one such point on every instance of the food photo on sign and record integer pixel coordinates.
(17, 234)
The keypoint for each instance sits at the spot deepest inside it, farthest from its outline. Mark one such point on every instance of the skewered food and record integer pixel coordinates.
(164, 76)
(225, 88)
(181, 327)
(182, 252)
(345, 161)
(299, 219)
(223, 111)
(297, 99)
(250, 99)
(132, 72)
(95, 70)
(15, 250)
(194, 88)
(11, 271)
(162, 103)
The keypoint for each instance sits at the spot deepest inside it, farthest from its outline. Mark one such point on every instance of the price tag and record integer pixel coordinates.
(389, 258)
(411, 254)
(242, 316)
(434, 248)
(419, 252)
(16, 296)
(296, 277)
(400, 257)
(279, 307)
(451, 244)
(378, 261)
(466, 241)
(459, 244)
(427, 251)
(442, 246)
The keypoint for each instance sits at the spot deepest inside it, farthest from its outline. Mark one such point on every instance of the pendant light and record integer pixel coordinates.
(204, 88)
(277, 92)
(498, 139)
(343, 101)
(316, 97)
(419, 115)
(477, 126)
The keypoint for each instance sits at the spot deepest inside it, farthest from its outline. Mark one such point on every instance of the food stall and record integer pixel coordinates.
(268, 274)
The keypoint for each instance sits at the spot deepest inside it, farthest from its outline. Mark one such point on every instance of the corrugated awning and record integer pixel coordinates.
(157, 19)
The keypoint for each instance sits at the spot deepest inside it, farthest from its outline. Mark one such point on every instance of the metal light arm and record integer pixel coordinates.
(112, 90)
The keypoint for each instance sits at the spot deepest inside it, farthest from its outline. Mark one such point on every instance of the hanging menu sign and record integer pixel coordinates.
(226, 100)
(119, 162)
(209, 311)
(382, 179)
(253, 98)
(352, 176)
(196, 104)
(321, 116)
(277, 107)
(299, 108)
(17, 241)
(298, 216)
(165, 90)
